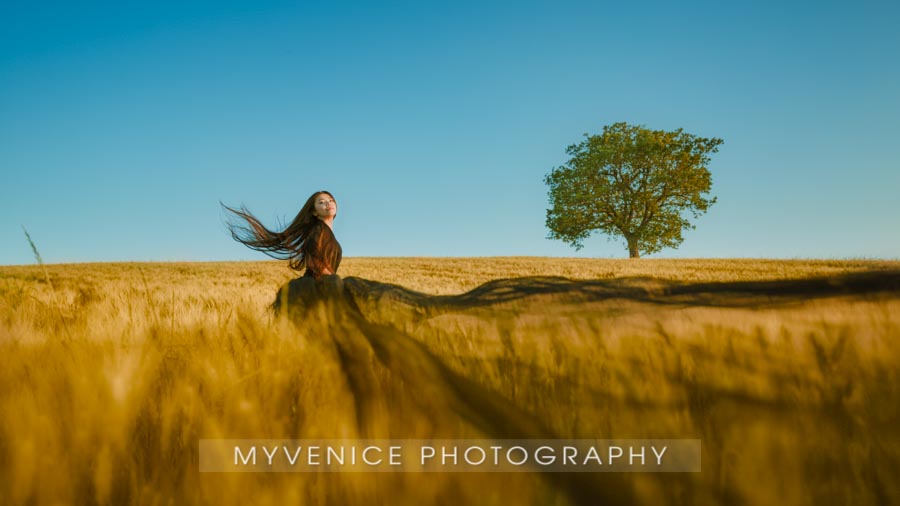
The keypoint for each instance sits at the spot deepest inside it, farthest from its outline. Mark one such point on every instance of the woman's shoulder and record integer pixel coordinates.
(317, 227)
(320, 228)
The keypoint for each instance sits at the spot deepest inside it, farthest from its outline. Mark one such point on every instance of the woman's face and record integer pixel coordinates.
(325, 207)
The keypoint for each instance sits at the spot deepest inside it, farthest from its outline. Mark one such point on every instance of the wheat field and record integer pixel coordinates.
(788, 371)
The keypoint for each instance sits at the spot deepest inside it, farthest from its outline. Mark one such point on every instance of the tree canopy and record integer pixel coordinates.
(632, 182)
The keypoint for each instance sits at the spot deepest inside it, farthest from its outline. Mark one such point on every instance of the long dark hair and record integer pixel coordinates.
(289, 244)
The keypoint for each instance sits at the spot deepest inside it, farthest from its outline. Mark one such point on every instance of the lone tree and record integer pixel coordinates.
(631, 182)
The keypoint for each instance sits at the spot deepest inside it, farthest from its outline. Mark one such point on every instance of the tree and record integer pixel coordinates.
(631, 182)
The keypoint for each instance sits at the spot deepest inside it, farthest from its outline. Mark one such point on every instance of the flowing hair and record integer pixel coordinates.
(288, 244)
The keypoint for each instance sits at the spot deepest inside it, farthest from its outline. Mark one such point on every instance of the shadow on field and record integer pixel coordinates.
(401, 389)
(397, 383)
(546, 289)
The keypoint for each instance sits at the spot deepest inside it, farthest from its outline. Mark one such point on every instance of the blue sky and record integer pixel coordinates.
(122, 126)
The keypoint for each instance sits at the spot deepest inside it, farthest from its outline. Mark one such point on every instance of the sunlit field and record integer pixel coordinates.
(787, 371)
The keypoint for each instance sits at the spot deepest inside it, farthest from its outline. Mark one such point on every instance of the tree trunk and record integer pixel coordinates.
(633, 251)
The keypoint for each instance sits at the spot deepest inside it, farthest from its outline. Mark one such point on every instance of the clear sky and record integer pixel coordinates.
(123, 126)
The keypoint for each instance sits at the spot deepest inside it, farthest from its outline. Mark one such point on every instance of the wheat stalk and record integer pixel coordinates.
(40, 261)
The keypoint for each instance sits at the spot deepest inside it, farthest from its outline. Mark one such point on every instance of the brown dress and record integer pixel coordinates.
(322, 254)
(322, 251)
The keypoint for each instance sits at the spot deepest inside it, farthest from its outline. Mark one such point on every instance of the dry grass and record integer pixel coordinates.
(106, 385)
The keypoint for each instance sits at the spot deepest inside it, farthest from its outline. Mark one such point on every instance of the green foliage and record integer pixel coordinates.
(631, 182)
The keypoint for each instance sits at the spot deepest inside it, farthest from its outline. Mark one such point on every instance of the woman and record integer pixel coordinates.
(308, 242)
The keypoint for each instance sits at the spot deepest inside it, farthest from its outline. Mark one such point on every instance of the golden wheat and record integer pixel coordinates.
(107, 386)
